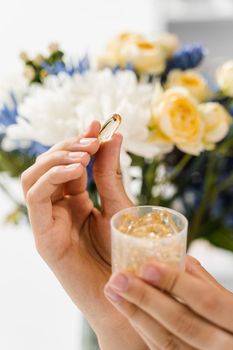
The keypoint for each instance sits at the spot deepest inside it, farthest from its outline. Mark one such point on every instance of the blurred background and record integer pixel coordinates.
(35, 312)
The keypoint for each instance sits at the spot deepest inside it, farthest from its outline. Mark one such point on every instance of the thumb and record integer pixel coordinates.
(106, 172)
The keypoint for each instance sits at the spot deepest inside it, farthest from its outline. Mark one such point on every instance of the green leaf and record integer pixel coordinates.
(221, 237)
(54, 57)
(14, 163)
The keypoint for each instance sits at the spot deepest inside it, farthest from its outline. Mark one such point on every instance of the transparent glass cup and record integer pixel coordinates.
(130, 252)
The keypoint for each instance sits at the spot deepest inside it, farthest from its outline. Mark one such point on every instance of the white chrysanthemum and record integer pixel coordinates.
(65, 106)
(13, 83)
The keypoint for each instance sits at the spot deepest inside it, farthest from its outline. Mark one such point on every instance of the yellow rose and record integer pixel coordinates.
(124, 39)
(176, 119)
(225, 78)
(168, 42)
(114, 55)
(145, 57)
(192, 81)
(217, 122)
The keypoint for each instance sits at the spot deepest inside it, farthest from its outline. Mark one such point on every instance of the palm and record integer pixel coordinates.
(78, 224)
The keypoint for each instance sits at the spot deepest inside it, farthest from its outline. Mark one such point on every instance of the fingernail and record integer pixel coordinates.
(119, 282)
(150, 273)
(87, 141)
(72, 166)
(76, 155)
(110, 294)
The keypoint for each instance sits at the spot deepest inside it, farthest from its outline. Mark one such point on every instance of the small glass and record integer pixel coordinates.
(130, 252)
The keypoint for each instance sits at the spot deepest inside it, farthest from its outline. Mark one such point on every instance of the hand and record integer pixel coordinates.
(172, 309)
(70, 234)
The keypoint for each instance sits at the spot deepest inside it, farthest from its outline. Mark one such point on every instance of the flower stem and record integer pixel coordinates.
(179, 167)
(177, 170)
(210, 179)
(225, 185)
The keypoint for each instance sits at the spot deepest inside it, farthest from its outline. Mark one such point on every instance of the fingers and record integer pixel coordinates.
(174, 316)
(72, 150)
(154, 334)
(39, 196)
(32, 174)
(204, 298)
(106, 172)
(68, 144)
(194, 267)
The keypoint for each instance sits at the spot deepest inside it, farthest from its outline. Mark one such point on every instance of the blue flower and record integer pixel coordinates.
(190, 56)
(8, 114)
(118, 68)
(90, 171)
(35, 149)
(56, 68)
(82, 66)
(229, 220)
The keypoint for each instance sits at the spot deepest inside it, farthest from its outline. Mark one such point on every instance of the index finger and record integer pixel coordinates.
(204, 298)
(69, 144)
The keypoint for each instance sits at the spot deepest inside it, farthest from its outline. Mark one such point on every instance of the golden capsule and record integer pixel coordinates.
(109, 128)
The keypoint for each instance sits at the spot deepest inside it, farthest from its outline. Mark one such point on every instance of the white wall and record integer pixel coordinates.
(78, 25)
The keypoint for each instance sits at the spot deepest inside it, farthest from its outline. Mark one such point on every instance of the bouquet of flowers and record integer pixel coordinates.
(177, 124)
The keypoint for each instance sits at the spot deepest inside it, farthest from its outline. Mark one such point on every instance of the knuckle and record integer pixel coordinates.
(52, 157)
(68, 142)
(172, 281)
(88, 157)
(60, 156)
(25, 180)
(170, 344)
(54, 171)
(24, 177)
(209, 301)
(184, 323)
(142, 297)
(40, 157)
(134, 314)
(30, 196)
(193, 261)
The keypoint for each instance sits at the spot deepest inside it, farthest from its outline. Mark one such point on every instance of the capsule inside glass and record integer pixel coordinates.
(129, 253)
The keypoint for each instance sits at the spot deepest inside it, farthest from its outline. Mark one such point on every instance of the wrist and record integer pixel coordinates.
(124, 338)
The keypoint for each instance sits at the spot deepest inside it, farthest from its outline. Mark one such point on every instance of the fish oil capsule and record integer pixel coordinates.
(109, 128)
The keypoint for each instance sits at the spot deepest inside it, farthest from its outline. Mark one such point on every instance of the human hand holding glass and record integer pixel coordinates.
(174, 309)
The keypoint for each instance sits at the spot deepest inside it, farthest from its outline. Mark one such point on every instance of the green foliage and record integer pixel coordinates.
(213, 186)
(14, 163)
(220, 236)
(36, 65)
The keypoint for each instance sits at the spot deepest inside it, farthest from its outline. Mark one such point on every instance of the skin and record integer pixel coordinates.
(71, 235)
(172, 309)
(73, 238)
